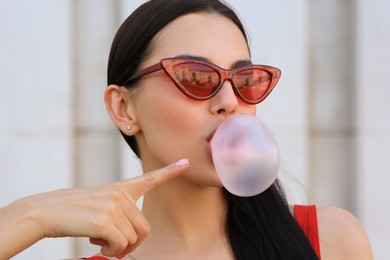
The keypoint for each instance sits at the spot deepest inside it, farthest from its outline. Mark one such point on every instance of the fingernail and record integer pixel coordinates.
(181, 163)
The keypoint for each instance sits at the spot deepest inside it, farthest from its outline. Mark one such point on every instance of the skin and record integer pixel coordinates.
(187, 213)
(107, 214)
(184, 211)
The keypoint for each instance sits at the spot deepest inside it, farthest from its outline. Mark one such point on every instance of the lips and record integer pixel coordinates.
(210, 137)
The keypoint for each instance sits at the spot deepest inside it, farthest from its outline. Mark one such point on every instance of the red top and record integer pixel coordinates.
(306, 216)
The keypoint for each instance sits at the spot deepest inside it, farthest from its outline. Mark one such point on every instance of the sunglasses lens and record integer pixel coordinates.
(199, 80)
(253, 83)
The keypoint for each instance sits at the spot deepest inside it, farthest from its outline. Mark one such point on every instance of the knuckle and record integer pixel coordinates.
(144, 230)
(149, 176)
(150, 180)
(110, 208)
(114, 200)
(116, 194)
(101, 222)
(117, 246)
(121, 245)
(132, 240)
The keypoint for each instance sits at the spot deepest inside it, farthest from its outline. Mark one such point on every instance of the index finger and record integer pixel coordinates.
(138, 186)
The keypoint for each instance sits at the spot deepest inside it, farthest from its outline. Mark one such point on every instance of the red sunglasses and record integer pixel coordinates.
(201, 80)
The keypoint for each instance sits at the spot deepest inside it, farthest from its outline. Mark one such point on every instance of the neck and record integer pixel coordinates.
(185, 216)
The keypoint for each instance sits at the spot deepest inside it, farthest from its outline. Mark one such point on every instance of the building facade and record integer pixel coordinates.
(328, 112)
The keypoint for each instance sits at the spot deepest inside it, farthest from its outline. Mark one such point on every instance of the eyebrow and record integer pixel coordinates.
(235, 65)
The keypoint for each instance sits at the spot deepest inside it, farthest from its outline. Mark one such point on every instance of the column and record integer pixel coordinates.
(331, 104)
(373, 121)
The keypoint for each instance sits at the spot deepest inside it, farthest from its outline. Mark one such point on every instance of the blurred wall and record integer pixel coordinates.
(328, 111)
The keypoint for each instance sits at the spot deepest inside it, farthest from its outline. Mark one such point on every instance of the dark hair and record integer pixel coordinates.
(134, 40)
(259, 227)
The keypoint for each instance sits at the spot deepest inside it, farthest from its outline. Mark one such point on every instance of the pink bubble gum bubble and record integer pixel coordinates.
(245, 155)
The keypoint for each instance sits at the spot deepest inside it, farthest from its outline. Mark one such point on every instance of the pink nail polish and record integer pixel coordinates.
(181, 163)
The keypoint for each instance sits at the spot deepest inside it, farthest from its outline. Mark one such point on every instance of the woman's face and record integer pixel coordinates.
(173, 126)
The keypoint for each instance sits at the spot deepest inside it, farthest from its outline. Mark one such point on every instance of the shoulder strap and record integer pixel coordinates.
(306, 216)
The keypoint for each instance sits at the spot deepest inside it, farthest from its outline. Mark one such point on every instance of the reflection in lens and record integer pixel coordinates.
(198, 79)
(252, 83)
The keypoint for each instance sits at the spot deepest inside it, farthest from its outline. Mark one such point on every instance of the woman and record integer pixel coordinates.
(166, 112)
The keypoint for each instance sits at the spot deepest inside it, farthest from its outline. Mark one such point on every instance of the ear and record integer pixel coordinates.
(121, 109)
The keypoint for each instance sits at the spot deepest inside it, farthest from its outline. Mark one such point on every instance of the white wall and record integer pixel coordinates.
(36, 113)
(328, 111)
(373, 121)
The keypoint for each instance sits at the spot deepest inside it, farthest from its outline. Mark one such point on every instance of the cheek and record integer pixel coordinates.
(166, 119)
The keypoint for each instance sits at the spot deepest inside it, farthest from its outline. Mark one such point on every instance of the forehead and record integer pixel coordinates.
(202, 34)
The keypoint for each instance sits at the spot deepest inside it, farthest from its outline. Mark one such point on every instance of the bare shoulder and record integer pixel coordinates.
(341, 235)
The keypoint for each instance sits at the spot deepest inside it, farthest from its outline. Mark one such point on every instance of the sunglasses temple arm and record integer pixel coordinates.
(143, 72)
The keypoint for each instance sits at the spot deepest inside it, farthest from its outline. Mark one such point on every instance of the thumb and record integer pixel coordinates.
(140, 185)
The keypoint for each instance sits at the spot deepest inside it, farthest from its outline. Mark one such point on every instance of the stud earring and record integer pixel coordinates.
(128, 127)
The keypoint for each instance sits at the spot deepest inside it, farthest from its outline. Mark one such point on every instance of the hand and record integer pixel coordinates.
(107, 214)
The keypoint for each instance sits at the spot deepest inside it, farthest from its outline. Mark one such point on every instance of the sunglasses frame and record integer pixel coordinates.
(169, 64)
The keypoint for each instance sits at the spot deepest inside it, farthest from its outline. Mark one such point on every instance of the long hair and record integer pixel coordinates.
(258, 227)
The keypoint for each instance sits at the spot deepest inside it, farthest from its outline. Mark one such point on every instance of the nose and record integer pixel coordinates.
(225, 102)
